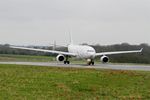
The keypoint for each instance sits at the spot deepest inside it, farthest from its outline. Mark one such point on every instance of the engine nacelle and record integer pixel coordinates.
(60, 57)
(104, 59)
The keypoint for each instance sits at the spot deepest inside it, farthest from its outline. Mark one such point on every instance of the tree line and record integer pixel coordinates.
(143, 57)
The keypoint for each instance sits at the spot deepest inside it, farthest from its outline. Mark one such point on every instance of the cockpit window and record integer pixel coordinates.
(90, 51)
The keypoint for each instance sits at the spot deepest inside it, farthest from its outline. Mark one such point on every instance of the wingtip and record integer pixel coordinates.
(141, 50)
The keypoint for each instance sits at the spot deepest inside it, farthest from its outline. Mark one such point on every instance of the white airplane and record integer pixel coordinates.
(81, 52)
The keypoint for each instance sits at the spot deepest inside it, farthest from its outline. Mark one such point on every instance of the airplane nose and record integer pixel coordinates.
(91, 54)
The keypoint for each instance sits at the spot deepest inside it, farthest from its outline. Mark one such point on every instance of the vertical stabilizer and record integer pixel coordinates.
(54, 45)
(71, 40)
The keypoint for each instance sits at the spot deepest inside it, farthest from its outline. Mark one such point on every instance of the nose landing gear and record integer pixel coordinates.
(90, 62)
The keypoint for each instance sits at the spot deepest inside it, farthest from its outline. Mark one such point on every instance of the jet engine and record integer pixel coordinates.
(104, 59)
(60, 57)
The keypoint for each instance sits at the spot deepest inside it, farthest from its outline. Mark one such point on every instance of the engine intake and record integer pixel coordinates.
(60, 57)
(104, 59)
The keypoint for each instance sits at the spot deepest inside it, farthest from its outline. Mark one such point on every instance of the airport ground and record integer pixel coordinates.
(51, 61)
(43, 82)
(32, 82)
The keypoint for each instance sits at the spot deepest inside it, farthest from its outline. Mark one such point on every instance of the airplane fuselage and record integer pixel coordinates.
(82, 51)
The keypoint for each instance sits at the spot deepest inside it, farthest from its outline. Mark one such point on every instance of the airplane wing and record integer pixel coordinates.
(43, 50)
(118, 52)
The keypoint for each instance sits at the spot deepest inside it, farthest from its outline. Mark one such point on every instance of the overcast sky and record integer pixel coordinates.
(40, 22)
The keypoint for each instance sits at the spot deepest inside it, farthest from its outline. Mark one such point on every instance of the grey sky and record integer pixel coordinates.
(40, 22)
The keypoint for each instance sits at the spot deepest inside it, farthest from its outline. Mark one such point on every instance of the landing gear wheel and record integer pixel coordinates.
(66, 62)
(91, 63)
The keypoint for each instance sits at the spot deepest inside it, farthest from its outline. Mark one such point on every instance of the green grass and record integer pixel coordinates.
(9, 57)
(20, 82)
(29, 58)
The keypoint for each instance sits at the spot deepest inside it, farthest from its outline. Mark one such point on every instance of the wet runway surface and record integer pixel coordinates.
(96, 66)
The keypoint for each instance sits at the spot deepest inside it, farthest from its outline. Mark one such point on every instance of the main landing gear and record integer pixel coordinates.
(66, 60)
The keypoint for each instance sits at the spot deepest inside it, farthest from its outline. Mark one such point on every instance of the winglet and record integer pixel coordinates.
(141, 50)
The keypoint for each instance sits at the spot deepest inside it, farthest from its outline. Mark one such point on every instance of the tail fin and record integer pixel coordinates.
(54, 45)
(71, 40)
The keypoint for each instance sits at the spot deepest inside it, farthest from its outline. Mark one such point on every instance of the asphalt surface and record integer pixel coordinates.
(96, 66)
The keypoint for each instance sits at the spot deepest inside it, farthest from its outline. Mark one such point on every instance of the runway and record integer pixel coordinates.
(96, 66)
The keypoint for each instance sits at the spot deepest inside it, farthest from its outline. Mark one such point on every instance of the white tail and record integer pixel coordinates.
(71, 40)
(54, 45)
